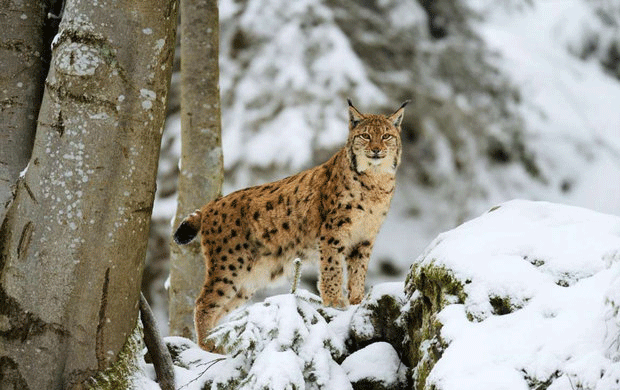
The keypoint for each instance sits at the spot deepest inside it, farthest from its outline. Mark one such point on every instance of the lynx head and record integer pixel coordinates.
(374, 143)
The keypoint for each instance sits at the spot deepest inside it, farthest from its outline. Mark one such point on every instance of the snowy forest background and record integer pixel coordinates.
(510, 99)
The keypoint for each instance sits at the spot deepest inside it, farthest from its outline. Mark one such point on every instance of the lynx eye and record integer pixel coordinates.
(365, 136)
(386, 137)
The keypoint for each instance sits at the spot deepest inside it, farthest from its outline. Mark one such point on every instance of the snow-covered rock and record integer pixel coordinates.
(376, 366)
(375, 319)
(522, 296)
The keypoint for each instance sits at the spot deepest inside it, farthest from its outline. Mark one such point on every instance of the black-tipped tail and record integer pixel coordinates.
(185, 233)
(188, 229)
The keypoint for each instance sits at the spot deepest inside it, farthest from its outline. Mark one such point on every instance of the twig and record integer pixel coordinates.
(297, 264)
(211, 363)
(162, 361)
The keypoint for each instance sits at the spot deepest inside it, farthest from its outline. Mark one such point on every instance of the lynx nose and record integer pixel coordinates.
(376, 153)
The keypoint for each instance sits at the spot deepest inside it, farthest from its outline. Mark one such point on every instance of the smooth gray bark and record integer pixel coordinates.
(201, 173)
(21, 72)
(73, 243)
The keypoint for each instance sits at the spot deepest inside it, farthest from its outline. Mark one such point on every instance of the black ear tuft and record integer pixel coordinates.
(185, 233)
(355, 117)
(404, 104)
(397, 117)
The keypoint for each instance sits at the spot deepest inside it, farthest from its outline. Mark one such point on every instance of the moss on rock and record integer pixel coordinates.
(429, 289)
(382, 314)
(501, 305)
(366, 384)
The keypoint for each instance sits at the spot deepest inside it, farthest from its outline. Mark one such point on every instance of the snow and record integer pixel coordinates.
(288, 341)
(555, 253)
(279, 369)
(557, 265)
(283, 327)
(22, 174)
(282, 343)
(378, 362)
(359, 321)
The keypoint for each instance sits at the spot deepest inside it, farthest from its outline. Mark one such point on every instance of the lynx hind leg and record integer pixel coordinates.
(206, 315)
(219, 296)
(357, 266)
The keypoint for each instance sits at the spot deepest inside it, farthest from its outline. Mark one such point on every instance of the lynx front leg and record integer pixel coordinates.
(330, 273)
(357, 266)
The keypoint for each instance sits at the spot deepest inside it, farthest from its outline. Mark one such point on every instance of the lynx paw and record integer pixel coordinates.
(339, 303)
(209, 345)
(355, 300)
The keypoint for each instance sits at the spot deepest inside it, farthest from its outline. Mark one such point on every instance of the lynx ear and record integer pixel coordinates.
(397, 117)
(355, 117)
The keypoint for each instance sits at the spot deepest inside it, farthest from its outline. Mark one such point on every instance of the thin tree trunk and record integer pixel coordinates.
(22, 70)
(73, 243)
(200, 179)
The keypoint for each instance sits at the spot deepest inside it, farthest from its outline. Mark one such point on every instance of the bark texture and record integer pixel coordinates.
(73, 242)
(201, 173)
(22, 68)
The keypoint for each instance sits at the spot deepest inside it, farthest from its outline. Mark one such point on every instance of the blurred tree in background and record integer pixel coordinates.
(201, 170)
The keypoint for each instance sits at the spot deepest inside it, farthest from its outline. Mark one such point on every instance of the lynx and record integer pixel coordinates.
(250, 237)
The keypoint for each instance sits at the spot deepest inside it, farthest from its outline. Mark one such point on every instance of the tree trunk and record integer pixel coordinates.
(22, 67)
(73, 242)
(200, 179)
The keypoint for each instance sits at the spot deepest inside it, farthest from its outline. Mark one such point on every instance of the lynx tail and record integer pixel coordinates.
(188, 229)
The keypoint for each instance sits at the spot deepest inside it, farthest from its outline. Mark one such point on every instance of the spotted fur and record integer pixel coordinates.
(333, 211)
